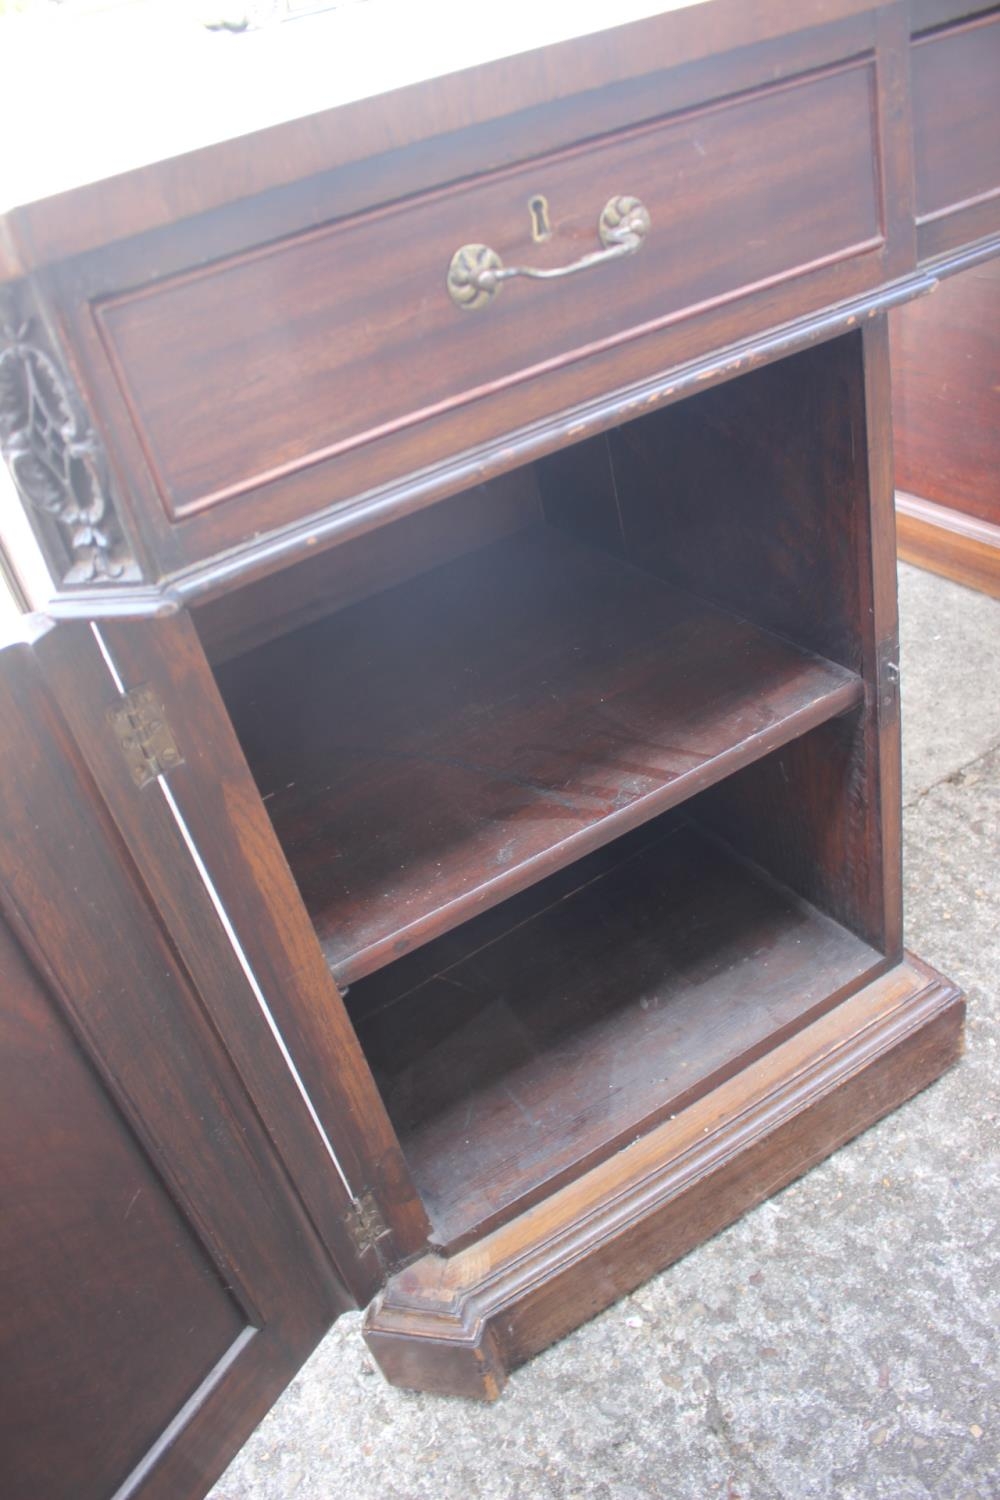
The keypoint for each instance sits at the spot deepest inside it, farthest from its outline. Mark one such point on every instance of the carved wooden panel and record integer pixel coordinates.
(56, 458)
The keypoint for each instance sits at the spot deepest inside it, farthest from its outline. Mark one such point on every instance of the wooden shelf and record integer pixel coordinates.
(527, 1059)
(430, 751)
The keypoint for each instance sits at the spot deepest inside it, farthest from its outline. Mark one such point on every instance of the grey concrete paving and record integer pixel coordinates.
(841, 1340)
(950, 675)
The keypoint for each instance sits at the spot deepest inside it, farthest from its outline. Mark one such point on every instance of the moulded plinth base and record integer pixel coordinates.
(457, 1325)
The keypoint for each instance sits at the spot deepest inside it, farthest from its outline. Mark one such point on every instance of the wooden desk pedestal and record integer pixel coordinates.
(453, 807)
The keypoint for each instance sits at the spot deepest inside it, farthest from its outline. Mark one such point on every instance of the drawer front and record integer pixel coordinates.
(265, 387)
(956, 134)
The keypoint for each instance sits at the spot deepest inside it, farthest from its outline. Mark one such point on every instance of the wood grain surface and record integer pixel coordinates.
(956, 133)
(615, 1004)
(946, 394)
(456, 1325)
(162, 1282)
(434, 749)
(317, 345)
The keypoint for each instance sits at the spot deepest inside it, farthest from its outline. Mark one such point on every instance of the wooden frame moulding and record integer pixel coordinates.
(458, 1325)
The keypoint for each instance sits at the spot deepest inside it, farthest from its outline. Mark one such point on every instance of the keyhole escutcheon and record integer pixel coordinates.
(541, 229)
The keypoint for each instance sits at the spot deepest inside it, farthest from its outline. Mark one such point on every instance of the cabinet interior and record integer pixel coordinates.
(576, 777)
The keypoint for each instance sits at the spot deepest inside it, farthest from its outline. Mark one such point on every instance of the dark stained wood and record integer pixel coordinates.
(433, 750)
(956, 133)
(530, 1058)
(457, 1324)
(772, 495)
(577, 486)
(946, 424)
(484, 103)
(949, 542)
(366, 297)
(894, 127)
(370, 162)
(57, 461)
(321, 1042)
(746, 491)
(804, 814)
(723, 79)
(216, 797)
(105, 1289)
(946, 394)
(840, 842)
(598, 409)
(367, 564)
(162, 1282)
(875, 543)
(926, 15)
(384, 986)
(686, 610)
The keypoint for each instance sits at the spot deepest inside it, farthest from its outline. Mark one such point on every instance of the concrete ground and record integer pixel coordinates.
(841, 1340)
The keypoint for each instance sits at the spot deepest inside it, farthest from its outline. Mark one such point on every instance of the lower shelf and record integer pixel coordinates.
(521, 1061)
(455, 1325)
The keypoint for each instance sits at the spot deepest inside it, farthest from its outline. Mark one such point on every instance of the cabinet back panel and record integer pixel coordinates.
(377, 560)
(752, 494)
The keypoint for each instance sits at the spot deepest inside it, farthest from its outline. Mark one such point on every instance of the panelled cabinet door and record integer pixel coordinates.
(160, 1278)
(142, 705)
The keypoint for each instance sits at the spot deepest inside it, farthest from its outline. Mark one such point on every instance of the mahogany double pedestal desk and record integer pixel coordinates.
(452, 805)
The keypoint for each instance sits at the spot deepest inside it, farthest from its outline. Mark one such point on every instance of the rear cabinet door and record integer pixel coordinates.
(160, 1278)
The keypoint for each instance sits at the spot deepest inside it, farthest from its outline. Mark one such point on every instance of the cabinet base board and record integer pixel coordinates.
(949, 542)
(457, 1325)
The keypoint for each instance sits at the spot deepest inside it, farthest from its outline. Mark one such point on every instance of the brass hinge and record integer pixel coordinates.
(365, 1224)
(145, 737)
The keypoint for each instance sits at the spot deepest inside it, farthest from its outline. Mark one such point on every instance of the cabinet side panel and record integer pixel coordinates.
(771, 495)
(946, 393)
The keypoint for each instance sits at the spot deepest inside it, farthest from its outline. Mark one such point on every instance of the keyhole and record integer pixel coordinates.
(540, 226)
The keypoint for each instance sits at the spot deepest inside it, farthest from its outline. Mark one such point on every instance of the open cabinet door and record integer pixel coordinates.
(192, 819)
(162, 1278)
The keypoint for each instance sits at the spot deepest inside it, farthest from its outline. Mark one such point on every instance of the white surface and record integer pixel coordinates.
(85, 97)
(88, 95)
(22, 549)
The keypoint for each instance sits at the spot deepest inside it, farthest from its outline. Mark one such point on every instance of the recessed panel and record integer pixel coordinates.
(956, 134)
(113, 1315)
(255, 370)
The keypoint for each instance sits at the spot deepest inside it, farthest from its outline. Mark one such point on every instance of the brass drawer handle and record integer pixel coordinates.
(477, 273)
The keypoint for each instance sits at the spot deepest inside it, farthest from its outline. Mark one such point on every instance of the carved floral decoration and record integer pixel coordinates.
(55, 457)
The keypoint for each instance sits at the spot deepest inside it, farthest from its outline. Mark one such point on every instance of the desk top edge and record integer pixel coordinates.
(518, 74)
